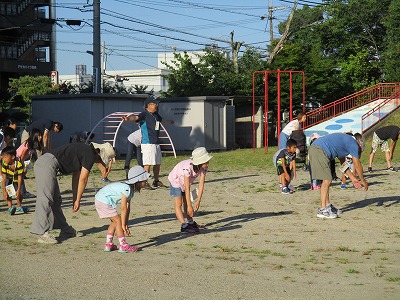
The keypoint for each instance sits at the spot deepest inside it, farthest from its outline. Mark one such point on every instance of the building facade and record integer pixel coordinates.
(27, 39)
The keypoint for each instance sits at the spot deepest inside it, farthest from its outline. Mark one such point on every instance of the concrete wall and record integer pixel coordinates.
(199, 121)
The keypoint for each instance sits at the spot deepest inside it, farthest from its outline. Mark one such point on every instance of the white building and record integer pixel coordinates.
(152, 78)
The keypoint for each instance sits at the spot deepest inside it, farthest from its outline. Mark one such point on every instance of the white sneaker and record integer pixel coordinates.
(326, 213)
(47, 238)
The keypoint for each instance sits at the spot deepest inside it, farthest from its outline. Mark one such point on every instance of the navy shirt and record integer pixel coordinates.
(147, 121)
(42, 125)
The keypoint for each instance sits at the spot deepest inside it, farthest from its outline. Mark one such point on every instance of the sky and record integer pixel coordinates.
(135, 31)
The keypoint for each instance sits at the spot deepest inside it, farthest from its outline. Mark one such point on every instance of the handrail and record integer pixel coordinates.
(340, 106)
(378, 108)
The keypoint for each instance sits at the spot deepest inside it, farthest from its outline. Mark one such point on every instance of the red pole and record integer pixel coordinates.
(279, 103)
(290, 95)
(252, 116)
(266, 112)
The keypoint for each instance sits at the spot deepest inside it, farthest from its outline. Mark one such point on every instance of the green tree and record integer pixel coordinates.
(29, 86)
(390, 55)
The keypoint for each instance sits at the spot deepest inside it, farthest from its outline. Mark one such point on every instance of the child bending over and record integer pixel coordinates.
(181, 178)
(106, 201)
(286, 165)
(12, 172)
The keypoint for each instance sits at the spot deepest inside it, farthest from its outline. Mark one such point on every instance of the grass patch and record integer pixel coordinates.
(352, 271)
(346, 249)
(393, 279)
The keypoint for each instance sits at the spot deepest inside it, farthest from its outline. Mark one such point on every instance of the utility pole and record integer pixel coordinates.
(270, 17)
(103, 64)
(235, 53)
(96, 48)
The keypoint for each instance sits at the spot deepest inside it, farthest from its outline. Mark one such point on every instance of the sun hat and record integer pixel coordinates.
(151, 99)
(314, 136)
(107, 152)
(200, 156)
(137, 173)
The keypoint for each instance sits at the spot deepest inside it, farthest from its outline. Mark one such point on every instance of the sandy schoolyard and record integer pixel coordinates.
(257, 244)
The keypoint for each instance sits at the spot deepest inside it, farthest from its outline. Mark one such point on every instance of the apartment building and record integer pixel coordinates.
(27, 39)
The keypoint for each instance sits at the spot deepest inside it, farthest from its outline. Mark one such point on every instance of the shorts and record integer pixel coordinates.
(320, 164)
(376, 142)
(105, 211)
(175, 192)
(151, 154)
(280, 170)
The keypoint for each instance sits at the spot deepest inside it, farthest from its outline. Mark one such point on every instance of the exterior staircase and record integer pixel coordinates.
(384, 96)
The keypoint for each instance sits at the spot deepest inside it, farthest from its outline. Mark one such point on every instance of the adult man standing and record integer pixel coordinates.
(149, 121)
(380, 138)
(321, 152)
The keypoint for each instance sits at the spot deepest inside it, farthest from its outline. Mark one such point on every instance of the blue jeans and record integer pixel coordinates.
(132, 148)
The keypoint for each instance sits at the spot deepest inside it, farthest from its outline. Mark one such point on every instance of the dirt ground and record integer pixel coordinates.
(257, 244)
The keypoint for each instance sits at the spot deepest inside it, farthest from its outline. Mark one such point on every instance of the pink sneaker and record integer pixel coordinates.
(125, 248)
(315, 187)
(108, 247)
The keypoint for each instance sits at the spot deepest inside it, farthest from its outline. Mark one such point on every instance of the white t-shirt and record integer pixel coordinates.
(292, 125)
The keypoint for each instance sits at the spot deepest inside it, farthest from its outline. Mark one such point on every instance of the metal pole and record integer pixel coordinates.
(96, 47)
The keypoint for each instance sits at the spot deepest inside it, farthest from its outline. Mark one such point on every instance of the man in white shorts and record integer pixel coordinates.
(149, 121)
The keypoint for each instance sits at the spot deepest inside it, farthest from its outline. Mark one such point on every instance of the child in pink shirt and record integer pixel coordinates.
(181, 178)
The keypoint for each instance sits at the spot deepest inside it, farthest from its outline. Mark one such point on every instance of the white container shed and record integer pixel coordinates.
(199, 121)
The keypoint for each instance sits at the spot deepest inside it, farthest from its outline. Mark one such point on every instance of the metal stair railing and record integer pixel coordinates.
(340, 106)
(109, 126)
(379, 112)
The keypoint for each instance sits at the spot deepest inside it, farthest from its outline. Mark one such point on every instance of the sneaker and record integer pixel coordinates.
(47, 238)
(194, 226)
(326, 213)
(343, 186)
(391, 169)
(22, 209)
(190, 229)
(11, 210)
(125, 248)
(334, 209)
(28, 195)
(315, 187)
(105, 179)
(286, 191)
(108, 247)
(291, 188)
(369, 169)
(157, 184)
(70, 233)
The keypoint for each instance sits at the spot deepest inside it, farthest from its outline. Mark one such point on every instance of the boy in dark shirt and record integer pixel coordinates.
(380, 138)
(286, 165)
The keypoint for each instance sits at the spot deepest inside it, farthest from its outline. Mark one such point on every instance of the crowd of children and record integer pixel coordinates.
(77, 158)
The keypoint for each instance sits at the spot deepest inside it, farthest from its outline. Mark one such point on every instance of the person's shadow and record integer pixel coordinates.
(380, 201)
(230, 223)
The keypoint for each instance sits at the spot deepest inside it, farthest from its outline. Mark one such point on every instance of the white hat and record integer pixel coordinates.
(137, 173)
(200, 156)
(107, 152)
(314, 136)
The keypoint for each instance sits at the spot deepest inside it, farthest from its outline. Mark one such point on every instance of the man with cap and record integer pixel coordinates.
(321, 152)
(76, 159)
(149, 121)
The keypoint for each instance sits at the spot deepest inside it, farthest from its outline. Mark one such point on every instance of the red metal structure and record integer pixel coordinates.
(340, 106)
(278, 73)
